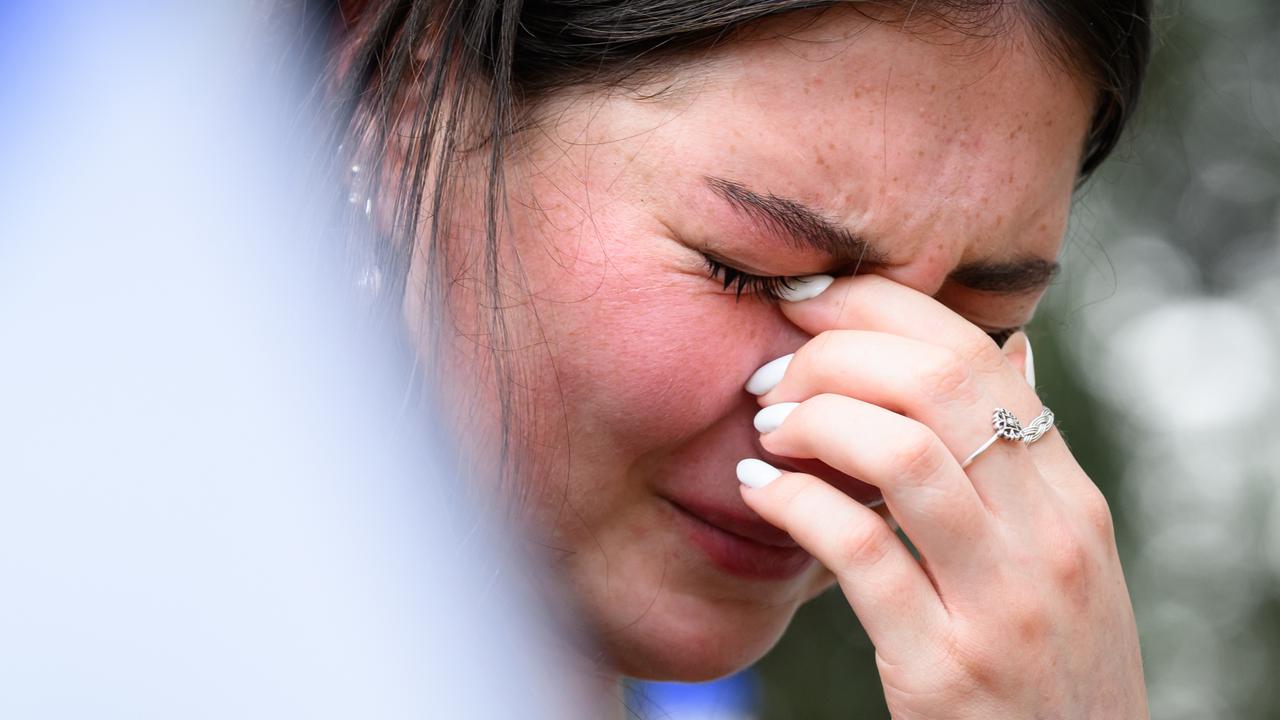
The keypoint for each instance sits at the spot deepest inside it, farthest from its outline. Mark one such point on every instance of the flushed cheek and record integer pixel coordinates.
(671, 363)
(647, 350)
(682, 372)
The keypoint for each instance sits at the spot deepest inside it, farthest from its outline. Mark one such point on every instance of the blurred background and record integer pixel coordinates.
(1159, 349)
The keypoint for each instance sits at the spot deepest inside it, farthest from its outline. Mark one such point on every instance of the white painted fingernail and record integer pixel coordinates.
(756, 473)
(1031, 365)
(803, 288)
(769, 375)
(770, 418)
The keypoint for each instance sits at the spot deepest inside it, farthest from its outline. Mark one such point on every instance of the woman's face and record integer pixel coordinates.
(937, 152)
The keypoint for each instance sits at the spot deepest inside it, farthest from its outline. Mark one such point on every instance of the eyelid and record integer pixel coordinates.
(767, 287)
(764, 287)
(813, 266)
(711, 257)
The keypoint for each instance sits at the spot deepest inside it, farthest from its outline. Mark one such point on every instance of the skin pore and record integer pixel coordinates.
(947, 161)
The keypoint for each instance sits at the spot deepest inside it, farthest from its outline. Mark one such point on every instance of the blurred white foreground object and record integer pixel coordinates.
(208, 505)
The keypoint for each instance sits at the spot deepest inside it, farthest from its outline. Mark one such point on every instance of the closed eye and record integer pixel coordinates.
(770, 287)
(765, 287)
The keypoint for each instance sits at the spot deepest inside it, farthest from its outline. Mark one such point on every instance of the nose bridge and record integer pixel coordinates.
(928, 233)
(928, 270)
(928, 280)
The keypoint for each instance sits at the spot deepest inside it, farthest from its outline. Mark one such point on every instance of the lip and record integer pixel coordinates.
(751, 528)
(743, 547)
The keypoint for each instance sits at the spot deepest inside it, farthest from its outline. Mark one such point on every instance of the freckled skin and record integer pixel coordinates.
(633, 361)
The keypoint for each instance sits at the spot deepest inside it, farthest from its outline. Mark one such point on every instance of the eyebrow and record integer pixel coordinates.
(805, 227)
(797, 223)
(1006, 278)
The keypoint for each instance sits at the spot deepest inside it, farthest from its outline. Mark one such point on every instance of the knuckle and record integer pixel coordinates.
(976, 663)
(988, 661)
(948, 378)
(864, 545)
(1097, 514)
(979, 351)
(1070, 562)
(1031, 624)
(918, 455)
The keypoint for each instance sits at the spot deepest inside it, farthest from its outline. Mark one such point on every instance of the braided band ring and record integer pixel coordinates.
(1006, 427)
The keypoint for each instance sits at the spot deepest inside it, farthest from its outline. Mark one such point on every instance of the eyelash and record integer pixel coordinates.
(769, 288)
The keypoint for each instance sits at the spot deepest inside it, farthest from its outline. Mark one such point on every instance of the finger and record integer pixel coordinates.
(922, 484)
(887, 589)
(872, 302)
(1017, 350)
(925, 382)
(1050, 451)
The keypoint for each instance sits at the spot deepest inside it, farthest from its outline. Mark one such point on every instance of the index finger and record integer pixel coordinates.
(872, 302)
(887, 588)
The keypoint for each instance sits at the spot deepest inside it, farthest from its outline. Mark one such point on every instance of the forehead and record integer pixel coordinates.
(906, 134)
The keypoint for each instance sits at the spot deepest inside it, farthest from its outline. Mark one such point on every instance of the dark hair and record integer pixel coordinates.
(463, 74)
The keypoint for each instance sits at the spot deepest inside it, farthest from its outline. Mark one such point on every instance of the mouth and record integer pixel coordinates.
(740, 542)
(739, 545)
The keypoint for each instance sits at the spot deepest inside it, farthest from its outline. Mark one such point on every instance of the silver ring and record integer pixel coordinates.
(1007, 427)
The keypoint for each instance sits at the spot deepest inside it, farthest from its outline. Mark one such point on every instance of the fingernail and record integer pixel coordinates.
(756, 473)
(1031, 366)
(770, 418)
(769, 375)
(803, 288)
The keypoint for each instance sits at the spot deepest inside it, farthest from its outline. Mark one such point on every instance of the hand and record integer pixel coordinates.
(1018, 606)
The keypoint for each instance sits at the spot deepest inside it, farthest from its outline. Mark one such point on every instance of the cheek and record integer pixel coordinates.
(651, 367)
(645, 351)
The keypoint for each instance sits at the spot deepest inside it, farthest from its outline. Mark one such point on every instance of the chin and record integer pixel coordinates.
(665, 594)
(698, 637)
(693, 647)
